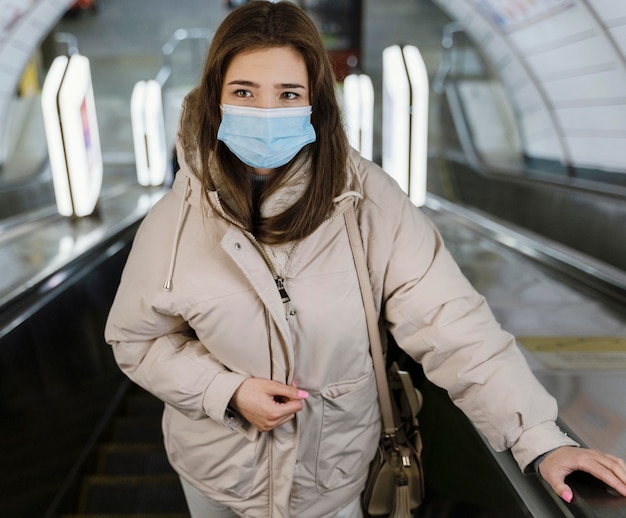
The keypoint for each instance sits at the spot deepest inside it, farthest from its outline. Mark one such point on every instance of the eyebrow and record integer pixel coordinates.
(244, 82)
(290, 85)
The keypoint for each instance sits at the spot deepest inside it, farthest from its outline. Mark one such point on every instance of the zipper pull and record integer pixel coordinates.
(281, 289)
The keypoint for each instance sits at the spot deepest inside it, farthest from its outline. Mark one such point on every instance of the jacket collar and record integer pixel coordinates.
(188, 186)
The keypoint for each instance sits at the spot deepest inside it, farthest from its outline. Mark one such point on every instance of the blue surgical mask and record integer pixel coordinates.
(265, 138)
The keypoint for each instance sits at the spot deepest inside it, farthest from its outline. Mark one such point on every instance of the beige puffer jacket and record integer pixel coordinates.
(222, 320)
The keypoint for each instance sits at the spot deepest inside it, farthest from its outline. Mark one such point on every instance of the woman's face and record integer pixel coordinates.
(267, 78)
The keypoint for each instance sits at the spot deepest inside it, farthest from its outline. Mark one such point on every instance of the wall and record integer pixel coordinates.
(23, 26)
(562, 63)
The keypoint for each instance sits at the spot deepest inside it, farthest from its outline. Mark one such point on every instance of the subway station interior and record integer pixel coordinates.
(504, 119)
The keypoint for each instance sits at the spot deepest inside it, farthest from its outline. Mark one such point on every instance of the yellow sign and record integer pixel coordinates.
(578, 352)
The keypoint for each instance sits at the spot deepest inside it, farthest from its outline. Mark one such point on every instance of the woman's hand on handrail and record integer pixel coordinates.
(565, 460)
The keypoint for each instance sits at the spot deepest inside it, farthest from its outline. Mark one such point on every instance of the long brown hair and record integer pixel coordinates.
(258, 25)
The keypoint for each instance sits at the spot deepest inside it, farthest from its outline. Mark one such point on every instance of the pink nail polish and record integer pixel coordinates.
(303, 394)
(567, 496)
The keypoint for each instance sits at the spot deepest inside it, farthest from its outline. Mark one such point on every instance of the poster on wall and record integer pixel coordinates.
(510, 15)
(11, 12)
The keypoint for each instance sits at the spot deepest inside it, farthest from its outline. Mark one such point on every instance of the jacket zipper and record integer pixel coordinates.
(280, 284)
(280, 281)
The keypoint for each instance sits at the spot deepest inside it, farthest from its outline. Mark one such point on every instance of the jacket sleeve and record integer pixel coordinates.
(158, 350)
(438, 318)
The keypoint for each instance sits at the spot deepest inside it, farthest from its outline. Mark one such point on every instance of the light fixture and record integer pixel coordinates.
(405, 119)
(69, 114)
(146, 108)
(358, 105)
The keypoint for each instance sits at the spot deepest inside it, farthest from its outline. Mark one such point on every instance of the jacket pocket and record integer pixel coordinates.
(213, 455)
(350, 431)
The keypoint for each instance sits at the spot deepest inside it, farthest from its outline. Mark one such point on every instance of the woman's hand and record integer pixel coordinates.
(567, 459)
(267, 404)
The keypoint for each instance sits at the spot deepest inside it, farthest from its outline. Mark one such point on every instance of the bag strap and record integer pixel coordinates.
(376, 348)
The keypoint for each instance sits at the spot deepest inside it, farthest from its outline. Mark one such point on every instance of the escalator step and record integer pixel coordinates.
(132, 494)
(140, 429)
(131, 459)
(21, 504)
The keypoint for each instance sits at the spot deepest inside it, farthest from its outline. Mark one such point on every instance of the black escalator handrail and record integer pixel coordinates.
(19, 307)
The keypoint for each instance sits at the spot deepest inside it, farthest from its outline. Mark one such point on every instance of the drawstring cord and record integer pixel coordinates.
(344, 195)
(167, 285)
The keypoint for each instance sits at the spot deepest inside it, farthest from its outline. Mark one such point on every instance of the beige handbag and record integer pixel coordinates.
(395, 485)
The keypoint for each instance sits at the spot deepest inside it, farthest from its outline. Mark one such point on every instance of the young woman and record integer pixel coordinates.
(240, 307)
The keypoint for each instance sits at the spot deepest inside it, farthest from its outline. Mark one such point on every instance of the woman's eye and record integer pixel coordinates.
(242, 93)
(290, 95)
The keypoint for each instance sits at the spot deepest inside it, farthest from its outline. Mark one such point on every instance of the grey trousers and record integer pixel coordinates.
(201, 506)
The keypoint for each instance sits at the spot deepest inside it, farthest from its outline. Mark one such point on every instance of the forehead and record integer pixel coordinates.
(273, 64)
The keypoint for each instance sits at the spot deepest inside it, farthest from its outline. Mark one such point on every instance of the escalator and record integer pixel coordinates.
(130, 473)
(77, 438)
(481, 163)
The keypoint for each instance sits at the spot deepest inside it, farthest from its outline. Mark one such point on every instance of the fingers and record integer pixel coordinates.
(563, 461)
(267, 404)
(558, 485)
(611, 470)
(554, 475)
(284, 393)
(567, 494)
(284, 403)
